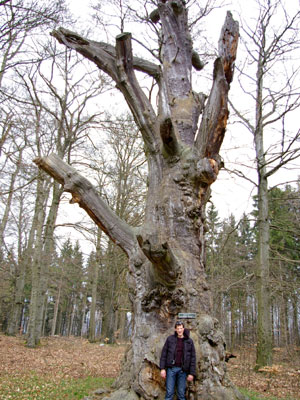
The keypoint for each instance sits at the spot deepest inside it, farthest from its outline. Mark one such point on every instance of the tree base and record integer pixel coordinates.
(220, 393)
(140, 376)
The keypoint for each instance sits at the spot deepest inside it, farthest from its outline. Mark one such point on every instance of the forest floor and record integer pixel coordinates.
(282, 380)
(62, 359)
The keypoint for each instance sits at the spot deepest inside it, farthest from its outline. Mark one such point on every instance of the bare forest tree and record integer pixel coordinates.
(48, 116)
(166, 253)
(270, 83)
(21, 23)
(71, 124)
(19, 20)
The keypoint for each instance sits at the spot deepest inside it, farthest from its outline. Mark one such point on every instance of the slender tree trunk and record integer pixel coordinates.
(285, 321)
(45, 308)
(219, 312)
(233, 322)
(296, 320)
(22, 269)
(8, 202)
(17, 306)
(33, 336)
(56, 305)
(92, 327)
(48, 250)
(84, 301)
(68, 316)
(245, 336)
(122, 326)
(19, 279)
(109, 306)
(18, 293)
(59, 328)
(106, 311)
(71, 325)
(275, 332)
(116, 326)
(25, 263)
(254, 320)
(264, 354)
(264, 329)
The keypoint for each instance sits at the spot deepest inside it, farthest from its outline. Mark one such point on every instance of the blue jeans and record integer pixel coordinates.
(175, 376)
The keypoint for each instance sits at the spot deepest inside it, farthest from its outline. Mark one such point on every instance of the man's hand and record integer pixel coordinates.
(163, 373)
(190, 378)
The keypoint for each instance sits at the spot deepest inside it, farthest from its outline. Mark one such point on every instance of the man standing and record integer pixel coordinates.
(178, 362)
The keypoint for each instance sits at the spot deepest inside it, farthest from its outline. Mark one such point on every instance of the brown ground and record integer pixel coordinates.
(282, 380)
(59, 357)
(74, 357)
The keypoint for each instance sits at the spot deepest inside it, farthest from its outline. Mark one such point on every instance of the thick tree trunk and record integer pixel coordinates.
(166, 254)
(174, 282)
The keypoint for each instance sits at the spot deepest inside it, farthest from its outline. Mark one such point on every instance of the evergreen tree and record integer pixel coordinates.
(285, 255)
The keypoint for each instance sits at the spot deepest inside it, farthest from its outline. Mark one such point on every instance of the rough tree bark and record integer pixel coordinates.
(166, 254)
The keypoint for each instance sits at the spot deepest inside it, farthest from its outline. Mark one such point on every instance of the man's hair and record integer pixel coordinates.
(179, 323)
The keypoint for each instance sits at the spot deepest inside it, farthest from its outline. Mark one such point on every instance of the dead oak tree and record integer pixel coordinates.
(166, 254)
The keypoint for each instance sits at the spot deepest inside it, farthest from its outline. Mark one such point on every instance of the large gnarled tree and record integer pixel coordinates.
(166, 254)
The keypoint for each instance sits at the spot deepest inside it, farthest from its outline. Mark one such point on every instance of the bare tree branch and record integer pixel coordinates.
(212, 128)
(84, 193)
(119, 66)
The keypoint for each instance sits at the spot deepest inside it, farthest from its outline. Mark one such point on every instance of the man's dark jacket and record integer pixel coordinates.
(168, 353)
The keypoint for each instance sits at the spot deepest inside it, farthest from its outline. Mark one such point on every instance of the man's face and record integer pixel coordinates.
(179, 330)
